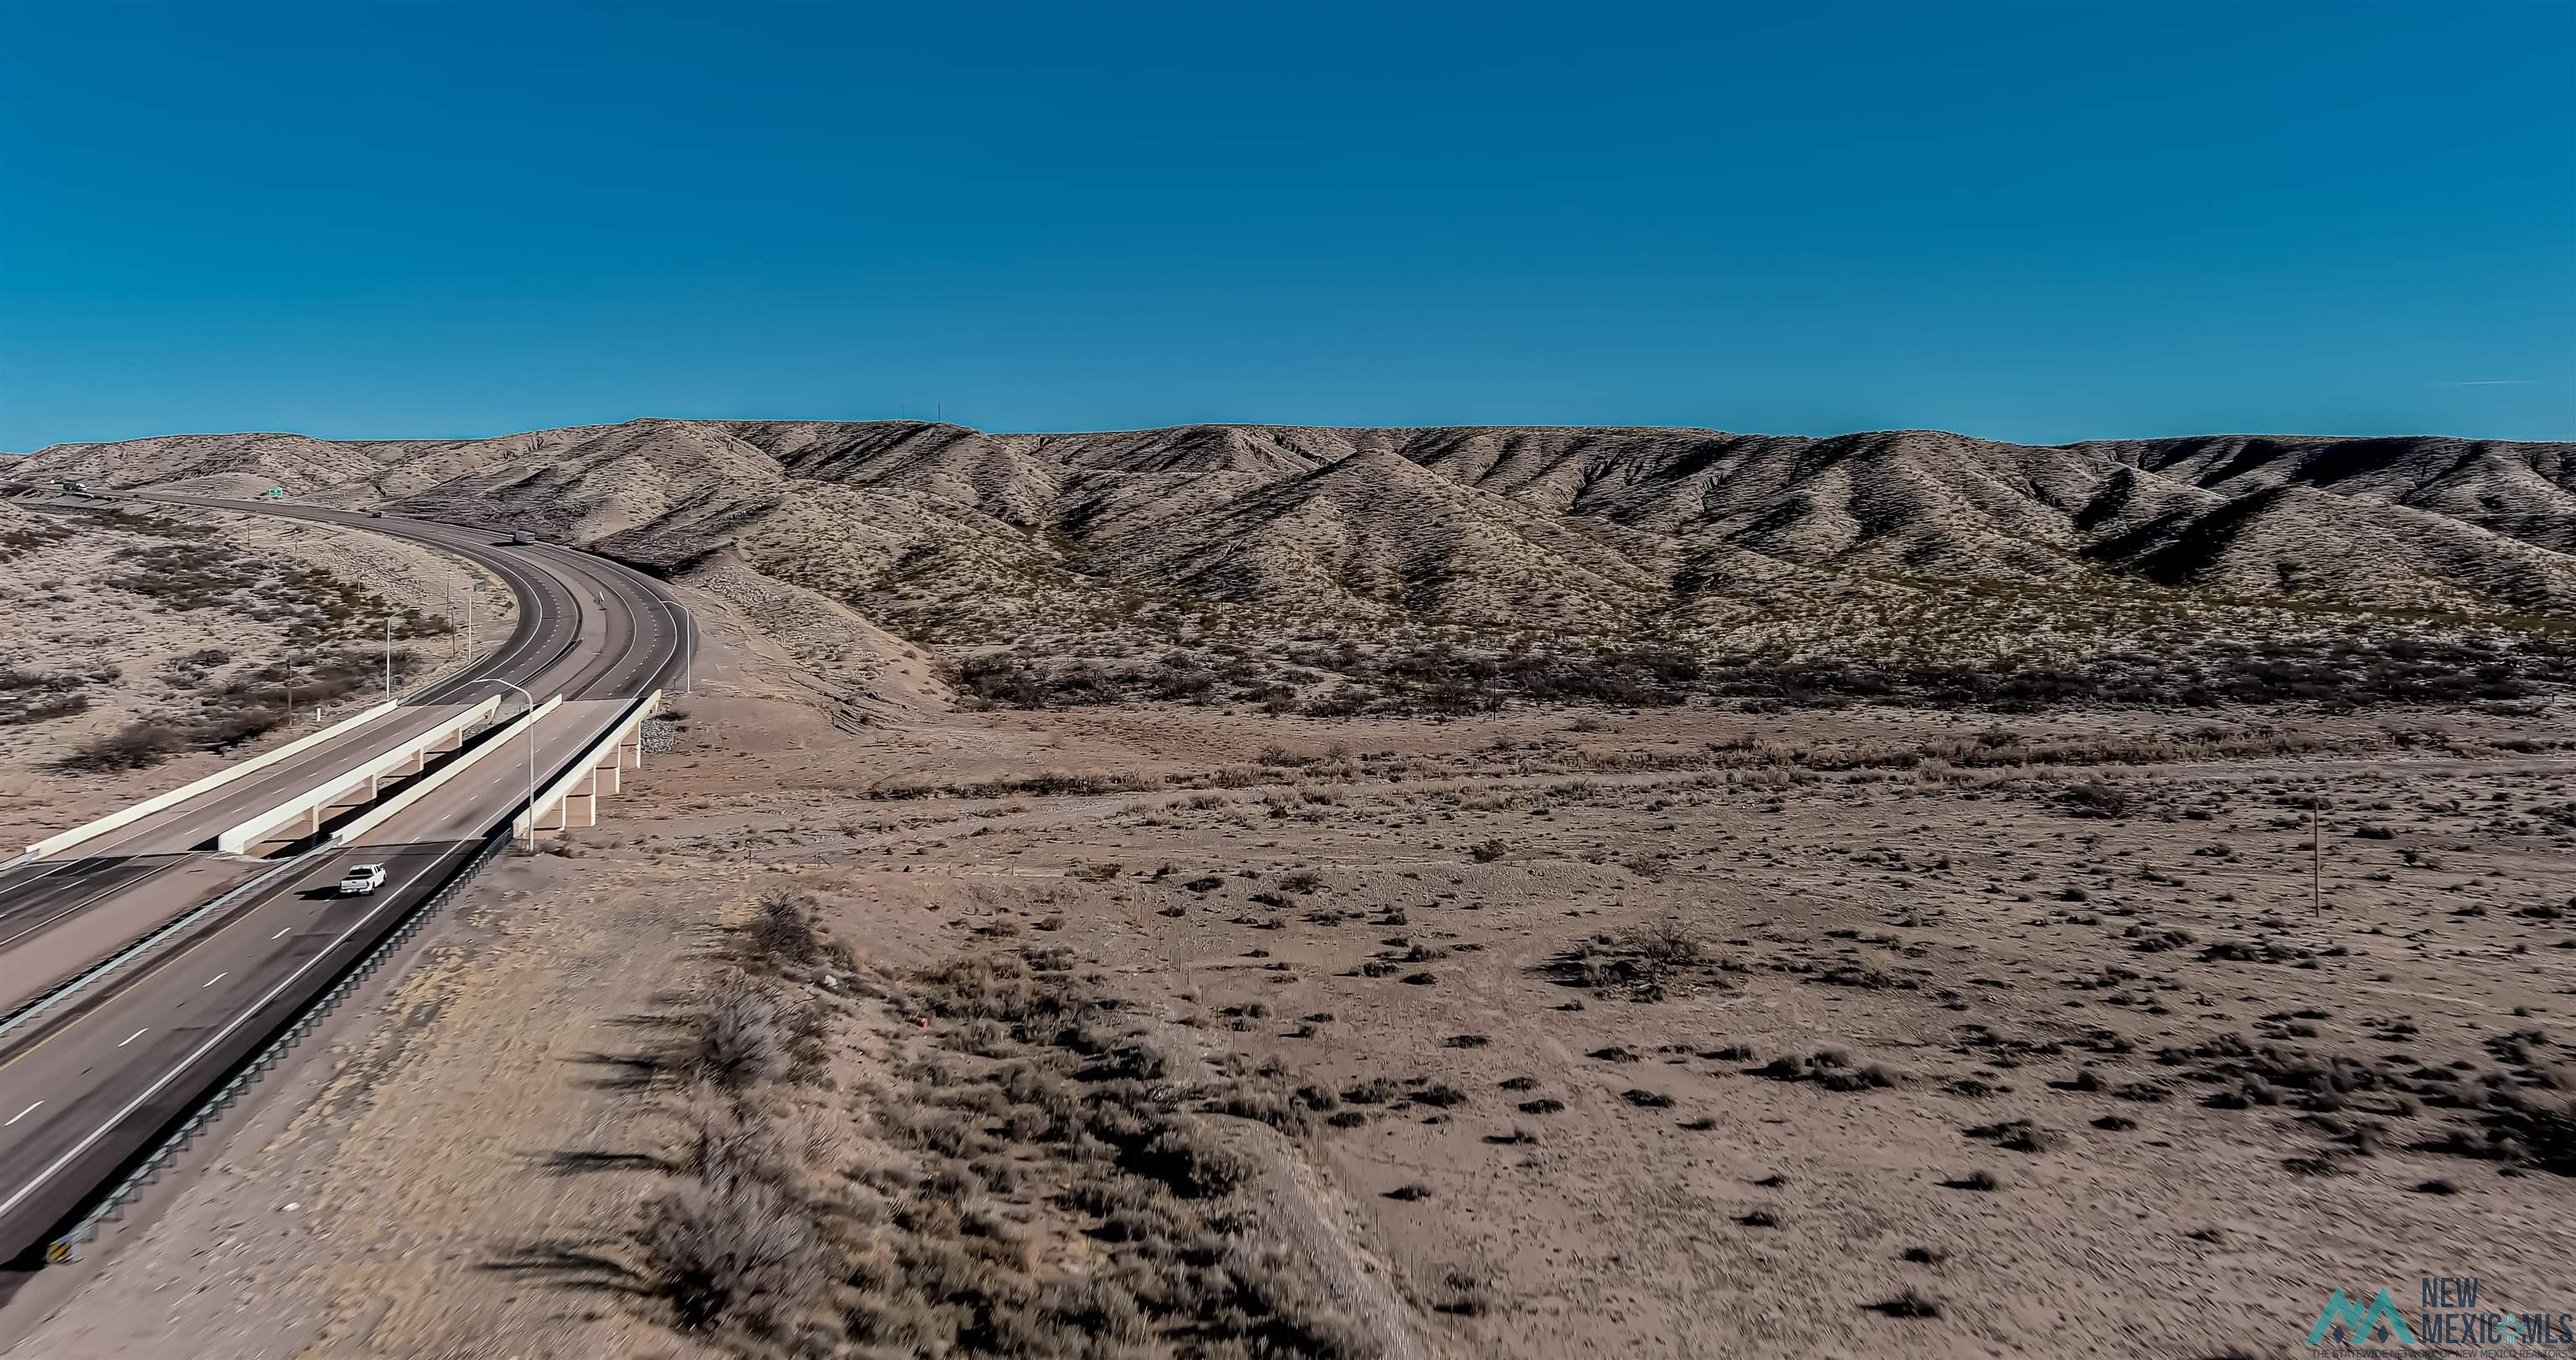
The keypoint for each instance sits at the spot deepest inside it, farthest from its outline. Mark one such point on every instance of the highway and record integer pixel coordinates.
(90, 1082)
(586, 628)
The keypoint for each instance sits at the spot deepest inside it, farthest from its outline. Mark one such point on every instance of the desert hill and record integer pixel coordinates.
(966, 538)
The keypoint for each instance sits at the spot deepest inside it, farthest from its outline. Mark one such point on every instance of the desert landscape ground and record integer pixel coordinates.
(1243, 892)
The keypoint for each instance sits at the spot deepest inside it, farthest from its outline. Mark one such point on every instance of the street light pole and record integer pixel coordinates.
(688, 646)
(389, 658)
(528, 705)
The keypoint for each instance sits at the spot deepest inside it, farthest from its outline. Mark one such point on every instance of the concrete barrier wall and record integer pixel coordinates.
(582, 779)
(322, 796)
(63, 839)
(377, 816)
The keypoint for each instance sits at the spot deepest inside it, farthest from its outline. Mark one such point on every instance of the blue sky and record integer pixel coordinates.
(2042, 222)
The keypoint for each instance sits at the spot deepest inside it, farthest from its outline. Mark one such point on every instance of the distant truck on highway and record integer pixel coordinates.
(362, 880)
(523, 538)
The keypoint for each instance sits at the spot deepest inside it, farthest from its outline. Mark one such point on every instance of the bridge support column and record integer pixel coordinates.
(609, 774)
(573, 801)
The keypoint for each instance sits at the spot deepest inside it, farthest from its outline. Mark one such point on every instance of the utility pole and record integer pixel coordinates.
(528, 704)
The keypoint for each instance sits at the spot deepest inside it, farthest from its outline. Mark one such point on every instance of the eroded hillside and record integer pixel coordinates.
(1085, 561)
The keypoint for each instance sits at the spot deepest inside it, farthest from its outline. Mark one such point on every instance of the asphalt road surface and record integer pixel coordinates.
(90, 1085)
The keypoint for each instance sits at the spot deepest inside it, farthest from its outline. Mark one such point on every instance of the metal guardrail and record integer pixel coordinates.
(66, 1247)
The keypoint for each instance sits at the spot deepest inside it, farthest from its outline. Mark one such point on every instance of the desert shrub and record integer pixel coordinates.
(1869, 1077)
(28, 697)
(722, 1249)
(242, 709)
(1191, 1162)
(2016, 1135)
(20, 539)
(1463, 1295)
(984, 986)
(2097, 797)
(1909, 1303)
(926, 1261)
(1374, 1091)
(1642, 963)
(783, 932)
(135, 746)
(2338, 673)
(738, 1040)
(1001, 680)
(42, 708)
(2535, 1129)
(1277, 1109)
(1660, 947)
(723, 1142)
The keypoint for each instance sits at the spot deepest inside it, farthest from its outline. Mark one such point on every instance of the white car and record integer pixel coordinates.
(362, 880)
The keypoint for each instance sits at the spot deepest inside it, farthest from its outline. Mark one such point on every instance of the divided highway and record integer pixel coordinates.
(88, 1084)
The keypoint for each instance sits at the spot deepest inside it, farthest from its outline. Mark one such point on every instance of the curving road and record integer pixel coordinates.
(91, 1082)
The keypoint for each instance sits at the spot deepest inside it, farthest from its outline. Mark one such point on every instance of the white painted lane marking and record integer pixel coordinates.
(213, 980)
(150, 1092)
(147, 1029)
(21, 1114)
(281, 932)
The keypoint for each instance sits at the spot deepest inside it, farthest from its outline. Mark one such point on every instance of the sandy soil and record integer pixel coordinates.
(1983, 944)
(1597, 932)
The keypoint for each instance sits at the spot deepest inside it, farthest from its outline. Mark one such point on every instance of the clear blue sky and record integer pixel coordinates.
(2041, 223)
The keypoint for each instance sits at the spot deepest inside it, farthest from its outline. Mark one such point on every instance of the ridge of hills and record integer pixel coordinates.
(1910, 544)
